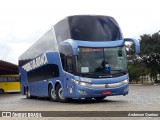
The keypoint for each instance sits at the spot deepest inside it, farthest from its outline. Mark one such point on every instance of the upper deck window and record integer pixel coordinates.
(94, 28)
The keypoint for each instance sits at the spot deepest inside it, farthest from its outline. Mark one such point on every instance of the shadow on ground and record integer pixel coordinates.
(78, 101)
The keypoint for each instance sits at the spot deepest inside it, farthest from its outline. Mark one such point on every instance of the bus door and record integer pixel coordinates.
(68, 76)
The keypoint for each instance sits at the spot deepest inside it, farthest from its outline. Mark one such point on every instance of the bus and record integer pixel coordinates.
(9, 83)
(80, 57)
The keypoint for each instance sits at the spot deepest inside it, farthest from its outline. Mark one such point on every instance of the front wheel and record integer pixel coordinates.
(59, 94)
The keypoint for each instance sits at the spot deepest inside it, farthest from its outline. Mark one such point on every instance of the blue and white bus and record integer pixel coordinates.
(82, 56)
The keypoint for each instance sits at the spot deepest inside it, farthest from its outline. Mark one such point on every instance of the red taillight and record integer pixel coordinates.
(107, 92)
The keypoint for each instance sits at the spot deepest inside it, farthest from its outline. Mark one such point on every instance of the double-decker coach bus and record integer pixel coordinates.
(82, 56)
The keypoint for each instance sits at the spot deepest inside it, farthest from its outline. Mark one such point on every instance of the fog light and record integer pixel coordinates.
(126, 89)
(82, 92)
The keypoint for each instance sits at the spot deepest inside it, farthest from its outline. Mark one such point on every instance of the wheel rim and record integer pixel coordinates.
(53, 94)
(60, 93)
(28, 93)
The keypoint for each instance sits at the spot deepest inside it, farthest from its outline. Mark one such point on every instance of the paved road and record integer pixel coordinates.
(140, 98)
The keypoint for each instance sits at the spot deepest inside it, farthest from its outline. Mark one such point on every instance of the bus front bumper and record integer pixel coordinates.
(100, 90)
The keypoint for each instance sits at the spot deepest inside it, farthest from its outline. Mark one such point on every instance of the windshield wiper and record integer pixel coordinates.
(85, 74)
(121, 71)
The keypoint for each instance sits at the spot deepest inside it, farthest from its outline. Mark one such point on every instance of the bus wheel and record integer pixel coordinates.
(1, 91)
(28, 95)
(59, 94)
(99, 98)
(52, 94)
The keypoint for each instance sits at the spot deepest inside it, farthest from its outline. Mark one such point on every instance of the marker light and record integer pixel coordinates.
(82, 92)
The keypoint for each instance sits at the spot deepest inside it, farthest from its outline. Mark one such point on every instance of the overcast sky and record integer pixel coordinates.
(23, 22)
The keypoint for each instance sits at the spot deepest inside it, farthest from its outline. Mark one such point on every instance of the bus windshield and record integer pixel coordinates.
(102, 61)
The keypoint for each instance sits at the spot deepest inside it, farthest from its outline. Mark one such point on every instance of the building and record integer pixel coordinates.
(8, 68)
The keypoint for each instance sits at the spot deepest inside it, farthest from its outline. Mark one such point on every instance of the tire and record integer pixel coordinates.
(28, 94)
(1, 91)
(59, 94)
(52, 94)
(99, 98)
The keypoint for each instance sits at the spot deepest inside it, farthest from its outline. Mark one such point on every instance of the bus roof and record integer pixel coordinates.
(8, 68)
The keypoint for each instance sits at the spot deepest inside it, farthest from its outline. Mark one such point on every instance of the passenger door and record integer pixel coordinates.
(70, 70)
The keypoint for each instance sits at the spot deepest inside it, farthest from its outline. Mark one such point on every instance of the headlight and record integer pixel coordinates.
(81, 83)
(126, 81)
(75, 81)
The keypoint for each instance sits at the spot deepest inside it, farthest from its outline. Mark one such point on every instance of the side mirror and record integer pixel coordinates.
(136, 44)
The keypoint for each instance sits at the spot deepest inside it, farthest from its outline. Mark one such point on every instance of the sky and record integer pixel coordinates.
(23, 22)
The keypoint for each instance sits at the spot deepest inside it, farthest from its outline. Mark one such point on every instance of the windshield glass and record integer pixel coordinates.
(102, 61)
(94, 28)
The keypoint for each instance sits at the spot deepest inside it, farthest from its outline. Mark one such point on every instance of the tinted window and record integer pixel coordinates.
(9, 79)
(45, 72)
(65, 49)
(3, 79)
(94, 28)
(51, 71)
(46, 42)
(62, 30)
(67, 63)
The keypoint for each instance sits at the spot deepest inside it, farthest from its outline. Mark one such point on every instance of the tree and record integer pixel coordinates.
(137, 68)
(150, 52)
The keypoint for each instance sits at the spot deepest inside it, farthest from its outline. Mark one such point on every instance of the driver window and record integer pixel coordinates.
(69, 64)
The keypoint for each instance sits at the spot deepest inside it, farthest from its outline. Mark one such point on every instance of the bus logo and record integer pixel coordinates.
(6, 114)
(107, 86)
(37, 62)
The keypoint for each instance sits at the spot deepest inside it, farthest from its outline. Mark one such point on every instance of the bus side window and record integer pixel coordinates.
(1, 79)
(5, 79)
(63, 60)
(45, 72)
(51, 71)
(11, 79)
(17, 79)
(69, 65)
